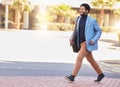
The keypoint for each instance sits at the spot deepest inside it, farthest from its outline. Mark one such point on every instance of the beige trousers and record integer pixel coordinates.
(85, 53)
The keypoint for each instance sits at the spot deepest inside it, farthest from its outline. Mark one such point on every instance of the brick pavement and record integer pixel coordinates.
(56, 81)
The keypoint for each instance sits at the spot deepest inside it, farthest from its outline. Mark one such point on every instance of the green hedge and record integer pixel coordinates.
(70, 27)
(109, 29)
(60, 26)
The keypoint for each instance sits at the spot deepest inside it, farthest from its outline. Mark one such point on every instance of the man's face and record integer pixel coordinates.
(83, 11)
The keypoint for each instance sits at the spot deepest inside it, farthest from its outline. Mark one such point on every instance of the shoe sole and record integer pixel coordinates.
(69, 80)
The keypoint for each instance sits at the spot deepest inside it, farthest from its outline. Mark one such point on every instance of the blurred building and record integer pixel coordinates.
(109, 16)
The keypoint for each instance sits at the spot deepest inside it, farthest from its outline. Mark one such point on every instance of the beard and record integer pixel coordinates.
(83, 14)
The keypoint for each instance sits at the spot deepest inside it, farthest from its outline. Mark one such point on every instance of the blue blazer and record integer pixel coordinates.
(92, 33)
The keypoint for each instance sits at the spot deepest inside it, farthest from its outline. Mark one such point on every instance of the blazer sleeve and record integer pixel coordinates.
(97, 30)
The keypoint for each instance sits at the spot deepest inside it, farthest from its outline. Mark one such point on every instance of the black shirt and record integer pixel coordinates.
(82, 24)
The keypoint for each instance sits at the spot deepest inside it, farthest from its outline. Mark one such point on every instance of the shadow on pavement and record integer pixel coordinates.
(110, 65)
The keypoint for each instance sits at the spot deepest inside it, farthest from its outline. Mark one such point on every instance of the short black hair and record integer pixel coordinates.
(87, 7)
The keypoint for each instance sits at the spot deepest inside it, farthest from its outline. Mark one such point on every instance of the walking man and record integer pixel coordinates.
(88, 33)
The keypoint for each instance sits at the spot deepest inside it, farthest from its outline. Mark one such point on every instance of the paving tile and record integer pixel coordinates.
(56, 81)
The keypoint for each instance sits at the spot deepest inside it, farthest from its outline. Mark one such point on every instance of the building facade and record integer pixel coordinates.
(109, 17)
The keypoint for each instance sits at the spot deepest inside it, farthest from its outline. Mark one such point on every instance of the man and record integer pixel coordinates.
(88, 33)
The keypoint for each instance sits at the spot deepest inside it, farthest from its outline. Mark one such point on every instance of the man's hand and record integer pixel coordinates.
(71, 42)
(91, 43)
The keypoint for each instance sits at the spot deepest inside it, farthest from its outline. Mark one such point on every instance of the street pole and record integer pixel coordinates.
(6, 17)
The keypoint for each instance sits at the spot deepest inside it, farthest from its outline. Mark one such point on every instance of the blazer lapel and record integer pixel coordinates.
(78, 23)
(87, 23)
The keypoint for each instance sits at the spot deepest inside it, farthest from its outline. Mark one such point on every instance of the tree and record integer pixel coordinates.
(20, 6)
(61, 11)
(117, 10)
(106, 3)
(102, 4)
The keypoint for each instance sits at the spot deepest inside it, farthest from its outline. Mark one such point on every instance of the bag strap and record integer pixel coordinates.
(75, 29)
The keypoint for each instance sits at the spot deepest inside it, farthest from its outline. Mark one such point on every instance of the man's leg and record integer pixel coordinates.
(81, 54)
(95, 65)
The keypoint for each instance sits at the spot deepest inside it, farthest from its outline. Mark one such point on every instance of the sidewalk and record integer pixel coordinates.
(58, 81)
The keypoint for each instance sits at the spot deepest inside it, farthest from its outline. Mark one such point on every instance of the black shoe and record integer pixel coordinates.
(70, 78)
(100, 77)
